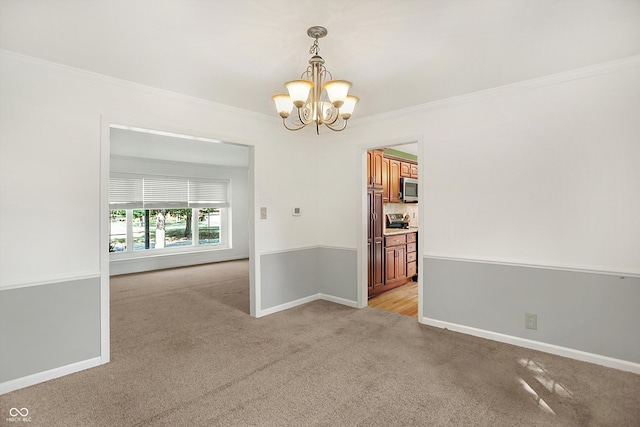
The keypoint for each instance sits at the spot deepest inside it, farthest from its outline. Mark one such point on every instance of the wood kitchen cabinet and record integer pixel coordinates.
(405, 169)
(414, 171)
(391, 173)
(374, 168)
(385, 179)
(395, 262)
(412, 254)
(394, 181)
(375, 241)
(408, 170)
(400, 261)
(391, 170)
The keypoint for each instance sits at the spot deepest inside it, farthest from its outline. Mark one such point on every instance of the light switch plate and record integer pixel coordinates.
(263, 213)
(296, 211)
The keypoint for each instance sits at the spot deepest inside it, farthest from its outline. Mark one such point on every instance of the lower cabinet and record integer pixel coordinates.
(412, 264)
(395, 259)
(400, 262)
(412, 255)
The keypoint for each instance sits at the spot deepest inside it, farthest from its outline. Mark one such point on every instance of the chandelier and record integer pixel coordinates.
(315, 99)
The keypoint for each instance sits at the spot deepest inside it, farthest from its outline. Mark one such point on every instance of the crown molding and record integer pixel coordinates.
(558, 78)
(127, 84)
(552, 79)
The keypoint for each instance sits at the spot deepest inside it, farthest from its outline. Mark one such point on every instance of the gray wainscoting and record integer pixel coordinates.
(591, 312)
(48, 326)
(338, 271)
(296, 274)
(288, 276)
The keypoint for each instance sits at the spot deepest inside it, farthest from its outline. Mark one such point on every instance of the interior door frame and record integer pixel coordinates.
(105, 151)
(362, 244)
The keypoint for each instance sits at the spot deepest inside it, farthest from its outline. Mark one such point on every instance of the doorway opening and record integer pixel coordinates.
(393, 228)
(175, 200)
(175, 203)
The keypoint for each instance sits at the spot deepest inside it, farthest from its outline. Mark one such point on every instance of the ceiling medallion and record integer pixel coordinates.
(316, 100)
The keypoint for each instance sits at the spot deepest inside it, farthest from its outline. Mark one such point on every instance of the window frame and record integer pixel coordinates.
(195, 246)
(129, 195)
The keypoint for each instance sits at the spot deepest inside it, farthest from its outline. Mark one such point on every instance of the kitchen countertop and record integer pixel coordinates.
(392, 231)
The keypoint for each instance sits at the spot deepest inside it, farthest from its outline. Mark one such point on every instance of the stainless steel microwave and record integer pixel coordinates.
(409, 190)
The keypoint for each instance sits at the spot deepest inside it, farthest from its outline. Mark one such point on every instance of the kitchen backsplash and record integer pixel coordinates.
(410, 209)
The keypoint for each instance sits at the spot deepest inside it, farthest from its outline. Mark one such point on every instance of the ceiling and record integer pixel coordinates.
(398, 54)
(151, 144)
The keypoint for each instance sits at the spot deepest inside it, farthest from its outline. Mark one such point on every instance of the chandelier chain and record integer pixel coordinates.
(315, 48)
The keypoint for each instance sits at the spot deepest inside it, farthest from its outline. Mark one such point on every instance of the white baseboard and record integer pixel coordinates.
(287, 305)
(583, 356)
(305, 300)
(40, 377)
(337, 300)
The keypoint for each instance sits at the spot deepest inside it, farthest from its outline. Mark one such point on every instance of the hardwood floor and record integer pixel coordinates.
(401, 300)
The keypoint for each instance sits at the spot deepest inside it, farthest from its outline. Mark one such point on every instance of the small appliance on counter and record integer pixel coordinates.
(397, 220)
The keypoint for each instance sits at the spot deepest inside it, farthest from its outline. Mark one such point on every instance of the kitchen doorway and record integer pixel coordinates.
(392, 222)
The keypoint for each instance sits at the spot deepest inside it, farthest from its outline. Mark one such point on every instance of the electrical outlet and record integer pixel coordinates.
(531, 321)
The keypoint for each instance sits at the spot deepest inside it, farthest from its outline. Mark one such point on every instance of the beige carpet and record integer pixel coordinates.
(185, 352)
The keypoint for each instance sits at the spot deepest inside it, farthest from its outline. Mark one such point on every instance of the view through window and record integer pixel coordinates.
(164, 228)
(158, 212)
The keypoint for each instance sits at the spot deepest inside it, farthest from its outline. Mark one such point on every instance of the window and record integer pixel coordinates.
(118, 230)
(157, 213)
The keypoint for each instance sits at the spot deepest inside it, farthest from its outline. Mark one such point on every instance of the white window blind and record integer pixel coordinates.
(204, 194)
(165, 193)
(125, 193)
(151, 192)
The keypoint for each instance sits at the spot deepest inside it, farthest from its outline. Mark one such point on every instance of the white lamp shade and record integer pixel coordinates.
(337, 91)
(298, 91)
(349, 105)
(283, 104)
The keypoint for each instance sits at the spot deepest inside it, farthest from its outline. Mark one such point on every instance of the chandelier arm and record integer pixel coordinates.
(306, 75)
(324, 72)
(304, 117)
(344, 126)
(284, 122)
(334, 116)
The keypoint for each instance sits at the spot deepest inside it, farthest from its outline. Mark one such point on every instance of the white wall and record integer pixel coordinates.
(54, 168)
(50, 133)
(542, 174)
(545, 172)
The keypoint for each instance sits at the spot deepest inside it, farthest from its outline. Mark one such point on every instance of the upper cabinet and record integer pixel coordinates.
(405, 170)
(384, 172)
(408, 170)
(394, 181)
(414, 171)
(374, 168)
(385, 179)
